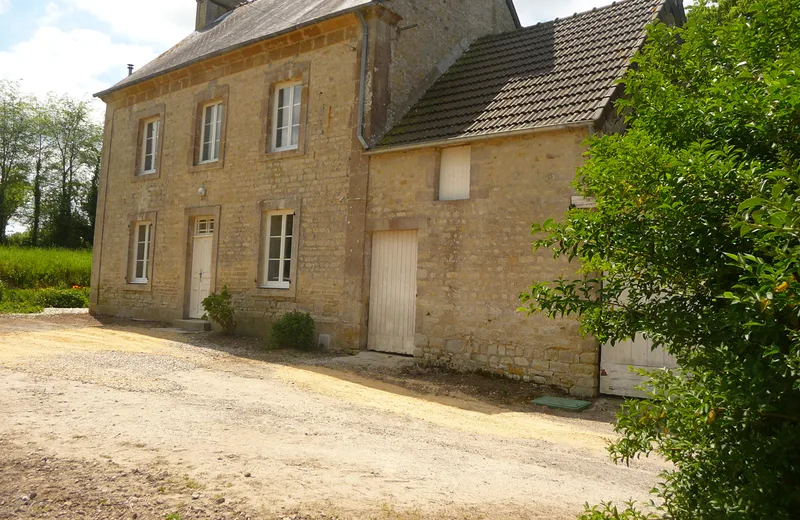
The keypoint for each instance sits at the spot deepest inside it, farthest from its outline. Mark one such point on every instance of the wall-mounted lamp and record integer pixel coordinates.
(202, 191)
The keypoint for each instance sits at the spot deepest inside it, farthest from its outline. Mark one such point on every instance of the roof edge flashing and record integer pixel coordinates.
(514, 14)
(453, 141)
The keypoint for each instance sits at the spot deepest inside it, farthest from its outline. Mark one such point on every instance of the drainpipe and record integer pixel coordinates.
(363, 88)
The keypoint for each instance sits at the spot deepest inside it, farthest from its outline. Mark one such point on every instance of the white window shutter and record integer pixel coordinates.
(454, 174)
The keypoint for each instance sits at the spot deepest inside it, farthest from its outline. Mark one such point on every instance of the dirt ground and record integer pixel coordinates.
(112, 419)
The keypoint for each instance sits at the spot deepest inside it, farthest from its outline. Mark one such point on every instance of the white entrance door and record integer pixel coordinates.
(616, 377)
(200, 288)
(393, 292)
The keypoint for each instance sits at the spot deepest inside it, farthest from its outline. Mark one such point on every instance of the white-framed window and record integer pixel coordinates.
(150, 146)
(278, 242)
(203, 227)
(141, 258)
(286, 117)
(454, 173)
(211, 133)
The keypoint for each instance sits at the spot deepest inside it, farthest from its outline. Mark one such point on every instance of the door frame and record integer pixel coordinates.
(190, 214)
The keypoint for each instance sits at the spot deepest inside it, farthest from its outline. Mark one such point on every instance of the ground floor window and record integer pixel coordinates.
(141, 258)
(278, 242)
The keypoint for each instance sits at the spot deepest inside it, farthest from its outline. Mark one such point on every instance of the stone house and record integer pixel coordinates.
(375, 163)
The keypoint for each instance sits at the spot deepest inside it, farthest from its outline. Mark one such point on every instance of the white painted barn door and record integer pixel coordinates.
(393, 292)
(202, 244)
(615, 375)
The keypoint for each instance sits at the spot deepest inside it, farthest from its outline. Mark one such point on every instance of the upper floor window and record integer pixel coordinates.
(211, 133)
(454, 173)
(150, 146)
(286, 126)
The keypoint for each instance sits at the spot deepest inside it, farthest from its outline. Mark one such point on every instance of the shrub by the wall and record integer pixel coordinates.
(77, 298)
(219, 309)
(294, 330)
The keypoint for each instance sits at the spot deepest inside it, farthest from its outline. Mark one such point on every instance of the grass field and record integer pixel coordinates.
(31, 279)
(29, 268)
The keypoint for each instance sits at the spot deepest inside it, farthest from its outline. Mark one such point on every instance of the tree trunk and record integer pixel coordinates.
(37, 201)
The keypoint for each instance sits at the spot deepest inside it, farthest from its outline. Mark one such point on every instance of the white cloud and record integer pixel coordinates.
(68, 62)
(161, 23)
(5, 5)
(53, 14)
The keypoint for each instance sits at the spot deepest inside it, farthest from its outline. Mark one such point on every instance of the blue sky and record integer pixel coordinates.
(82, 46)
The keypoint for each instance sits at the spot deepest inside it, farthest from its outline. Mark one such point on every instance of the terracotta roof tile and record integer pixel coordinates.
(553, 73)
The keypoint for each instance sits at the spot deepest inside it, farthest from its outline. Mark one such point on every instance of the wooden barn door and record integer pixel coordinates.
(615, 362)
(393, 292)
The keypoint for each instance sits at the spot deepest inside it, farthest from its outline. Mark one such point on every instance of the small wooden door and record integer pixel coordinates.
(616, 377)
(202, 246)
(393, 292)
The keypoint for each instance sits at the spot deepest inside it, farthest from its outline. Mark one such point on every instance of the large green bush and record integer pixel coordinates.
(294, 330)
(32, 268)
(695, 241)
(26, 301)
(62, 298)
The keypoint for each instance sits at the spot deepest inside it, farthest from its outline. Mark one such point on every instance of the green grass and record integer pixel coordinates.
(32, 279)
(29, 268)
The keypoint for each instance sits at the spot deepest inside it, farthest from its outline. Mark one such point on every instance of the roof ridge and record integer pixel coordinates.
(551, 74)
(573, 16)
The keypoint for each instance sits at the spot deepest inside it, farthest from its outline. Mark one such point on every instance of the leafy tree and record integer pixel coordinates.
(75, 143)
(42, 156)
(695, 242)
(16, 143)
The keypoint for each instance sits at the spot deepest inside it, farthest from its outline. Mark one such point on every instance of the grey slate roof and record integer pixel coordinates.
(245, 25)
(554, 73)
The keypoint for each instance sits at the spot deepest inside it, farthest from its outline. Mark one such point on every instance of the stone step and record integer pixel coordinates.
(193, 325)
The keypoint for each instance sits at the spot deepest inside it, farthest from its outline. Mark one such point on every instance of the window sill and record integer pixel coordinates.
(451, 201)
(138, 287)
(283, 154)
(274, 292)
(277, 286)
(202, 167)
(148, 176)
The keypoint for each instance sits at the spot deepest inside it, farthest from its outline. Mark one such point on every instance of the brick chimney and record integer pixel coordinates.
(209, 10)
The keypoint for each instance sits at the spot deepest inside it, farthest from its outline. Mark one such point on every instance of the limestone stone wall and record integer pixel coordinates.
(475, 256)
(316, 182)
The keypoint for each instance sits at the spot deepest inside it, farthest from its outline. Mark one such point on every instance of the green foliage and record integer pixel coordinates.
(219, 309)
(27, 301)
(696, 243)
(295, 330)
(50, 154)
(608, 511)
(30, 268)
(63, 298)
(16, 146)
(17, 304)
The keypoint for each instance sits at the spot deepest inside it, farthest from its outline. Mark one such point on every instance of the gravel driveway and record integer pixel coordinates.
(123, 420)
